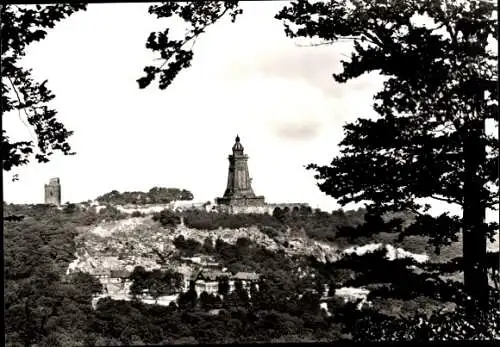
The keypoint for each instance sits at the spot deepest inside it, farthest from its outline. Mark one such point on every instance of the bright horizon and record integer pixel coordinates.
(246, 78)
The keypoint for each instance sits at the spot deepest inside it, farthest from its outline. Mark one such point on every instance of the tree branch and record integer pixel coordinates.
(448, 200)
(314, 44)
(196, 33)
(19, 109)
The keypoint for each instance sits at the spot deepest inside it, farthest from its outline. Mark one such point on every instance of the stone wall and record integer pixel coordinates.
(255, 201)
(210, 207)
(290, 206)
(146, 209)
(266, 208)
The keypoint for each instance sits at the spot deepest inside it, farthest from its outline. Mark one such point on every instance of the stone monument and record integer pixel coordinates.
(53, 192)
(239, 190)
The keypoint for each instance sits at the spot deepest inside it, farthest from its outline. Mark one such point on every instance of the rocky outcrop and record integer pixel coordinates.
(392, 252)
(131, 242)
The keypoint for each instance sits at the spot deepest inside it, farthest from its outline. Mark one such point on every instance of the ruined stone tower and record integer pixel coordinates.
(239, 190)
(53, 192)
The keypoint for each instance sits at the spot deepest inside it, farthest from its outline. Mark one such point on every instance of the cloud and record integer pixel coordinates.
(301, 131)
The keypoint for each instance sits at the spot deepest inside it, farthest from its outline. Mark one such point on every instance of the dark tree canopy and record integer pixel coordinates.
(156, 195)
(22, 96)
(430, 139)
(415, 149)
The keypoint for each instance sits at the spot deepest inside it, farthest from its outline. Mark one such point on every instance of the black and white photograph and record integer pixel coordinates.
(246, 172)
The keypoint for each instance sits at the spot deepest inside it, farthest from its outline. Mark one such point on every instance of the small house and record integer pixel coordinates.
(208, 281)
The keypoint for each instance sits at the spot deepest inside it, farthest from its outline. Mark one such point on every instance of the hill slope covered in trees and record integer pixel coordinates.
(45, 305)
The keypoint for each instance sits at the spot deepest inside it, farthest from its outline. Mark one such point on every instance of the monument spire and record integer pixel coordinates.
(238, 147)
(239, 190)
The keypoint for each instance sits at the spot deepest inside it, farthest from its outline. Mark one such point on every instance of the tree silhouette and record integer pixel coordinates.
(21, 26)
(429, 141)
(223, 288)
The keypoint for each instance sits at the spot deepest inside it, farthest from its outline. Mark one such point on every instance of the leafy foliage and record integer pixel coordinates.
(21, 26)
(422, 143)
(136, 214)
(187, 247)
(429, 141)
(156, 195)
(189, 299)
(339, 227)
(457, 325)
(212, 221)
(245, 255)
(176, 54)
(42, 306)
(167, 218)
(157, 283)
(111, 213)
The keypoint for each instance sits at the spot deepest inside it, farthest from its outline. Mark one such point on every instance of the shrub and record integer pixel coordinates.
(269, 231)
(456, 325)
(111, 213)
(137, 214)
(201, 220)
(156, 195)
(187, 247)
(167, 218)
(70, 208)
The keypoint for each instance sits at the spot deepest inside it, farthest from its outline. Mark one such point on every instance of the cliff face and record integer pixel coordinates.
(120, 245)
(132, 242)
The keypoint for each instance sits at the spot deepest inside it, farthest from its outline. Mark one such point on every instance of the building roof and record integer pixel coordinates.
(212, 264)
(212, 275)
(246, 276)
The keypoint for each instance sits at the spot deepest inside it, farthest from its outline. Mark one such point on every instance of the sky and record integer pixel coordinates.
(246, 78)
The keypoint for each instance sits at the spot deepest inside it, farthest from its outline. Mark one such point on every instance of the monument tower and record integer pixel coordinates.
(239, 190)
(53, 192)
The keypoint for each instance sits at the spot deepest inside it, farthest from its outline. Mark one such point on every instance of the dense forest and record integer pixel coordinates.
(46, 307)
